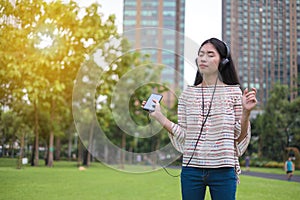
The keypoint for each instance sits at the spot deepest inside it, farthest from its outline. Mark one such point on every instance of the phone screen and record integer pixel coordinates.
(150, 105)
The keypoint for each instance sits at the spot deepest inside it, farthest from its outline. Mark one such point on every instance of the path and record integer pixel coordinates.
(295, 178)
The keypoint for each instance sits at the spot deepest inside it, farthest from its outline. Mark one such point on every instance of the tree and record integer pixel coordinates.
(14, 128)
(293, 125)
(119, 94)
(271, 125)
(51, 40)
(23, 129)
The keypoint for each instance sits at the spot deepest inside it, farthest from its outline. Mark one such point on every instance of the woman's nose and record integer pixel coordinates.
(203, 58)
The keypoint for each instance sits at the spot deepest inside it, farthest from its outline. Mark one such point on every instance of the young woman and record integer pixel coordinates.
(213, 127)
(289, 168)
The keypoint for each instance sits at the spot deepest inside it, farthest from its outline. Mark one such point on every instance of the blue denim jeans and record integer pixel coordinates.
(222, 183)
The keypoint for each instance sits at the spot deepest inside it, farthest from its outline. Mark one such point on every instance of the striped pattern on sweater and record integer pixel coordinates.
(216, 146)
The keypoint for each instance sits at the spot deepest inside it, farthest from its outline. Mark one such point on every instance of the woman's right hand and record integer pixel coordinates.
(157, 115)
(157, 110)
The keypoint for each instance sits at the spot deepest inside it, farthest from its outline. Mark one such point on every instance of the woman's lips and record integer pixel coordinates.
(202, 66)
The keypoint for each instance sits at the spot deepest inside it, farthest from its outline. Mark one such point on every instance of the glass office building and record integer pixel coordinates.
(157, 28)
(264, 36)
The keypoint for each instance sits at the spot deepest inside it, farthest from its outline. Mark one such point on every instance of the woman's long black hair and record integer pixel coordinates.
(227, 72)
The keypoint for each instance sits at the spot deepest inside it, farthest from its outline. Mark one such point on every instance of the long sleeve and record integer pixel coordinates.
(240, 147)
(178, 134)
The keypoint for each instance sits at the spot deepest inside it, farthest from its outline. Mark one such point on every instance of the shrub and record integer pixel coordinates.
(274, 164)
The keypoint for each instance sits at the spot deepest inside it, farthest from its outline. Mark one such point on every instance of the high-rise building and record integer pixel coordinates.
(158, 24)
(264, 36)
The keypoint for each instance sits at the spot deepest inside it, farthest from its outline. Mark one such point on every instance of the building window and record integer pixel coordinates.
(169, 4)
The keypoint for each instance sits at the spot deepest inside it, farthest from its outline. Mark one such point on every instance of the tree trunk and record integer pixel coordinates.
(51, 149)
(123, 146)
(57, 148)
(155, 146)
(106, 154)
(19, 166)
(70, 146)
(12, 148)
(90, 145)
(79, 158)
(3, 146)
(51, 138)
(33, 153)
(36, 130)
(260, 144)
(88, 158)
(131, 158)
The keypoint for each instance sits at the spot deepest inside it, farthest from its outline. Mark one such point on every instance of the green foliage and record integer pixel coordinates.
(278, 127)
(43, 45)
(259, 162)
(293, 128)
(130, 78)
(274, 164)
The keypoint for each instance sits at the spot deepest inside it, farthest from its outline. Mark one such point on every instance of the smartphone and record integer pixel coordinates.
(150, 105)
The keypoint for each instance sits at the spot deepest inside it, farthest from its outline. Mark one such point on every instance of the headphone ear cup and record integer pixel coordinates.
(224, 61)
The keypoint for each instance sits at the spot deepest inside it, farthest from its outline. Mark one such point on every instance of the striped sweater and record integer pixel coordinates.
(216, 146)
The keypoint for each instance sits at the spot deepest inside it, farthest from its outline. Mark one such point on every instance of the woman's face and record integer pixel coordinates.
(208, 59)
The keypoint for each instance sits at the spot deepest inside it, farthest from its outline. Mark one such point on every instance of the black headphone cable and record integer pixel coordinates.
(204, 121)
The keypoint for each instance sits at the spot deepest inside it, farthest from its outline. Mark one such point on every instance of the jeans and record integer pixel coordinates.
(222, 183)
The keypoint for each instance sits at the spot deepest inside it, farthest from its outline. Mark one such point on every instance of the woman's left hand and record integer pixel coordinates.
(249, 100)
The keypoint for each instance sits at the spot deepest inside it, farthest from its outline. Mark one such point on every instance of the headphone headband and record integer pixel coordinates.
(226, 59)
(227, 50)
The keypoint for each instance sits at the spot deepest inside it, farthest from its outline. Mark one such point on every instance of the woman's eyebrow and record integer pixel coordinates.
(208, 52)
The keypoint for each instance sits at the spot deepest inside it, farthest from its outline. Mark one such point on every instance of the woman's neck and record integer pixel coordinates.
(212, 80)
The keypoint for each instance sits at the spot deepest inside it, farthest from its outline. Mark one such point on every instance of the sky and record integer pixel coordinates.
(203, 20)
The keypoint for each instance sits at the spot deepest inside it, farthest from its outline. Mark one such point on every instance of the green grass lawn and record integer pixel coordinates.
(65, 182)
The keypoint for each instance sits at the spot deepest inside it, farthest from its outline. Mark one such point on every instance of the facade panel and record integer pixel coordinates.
(263, 38)
(162, 14)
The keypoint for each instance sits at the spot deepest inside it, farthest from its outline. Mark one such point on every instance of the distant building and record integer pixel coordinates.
(264, 36)
(166, 17)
